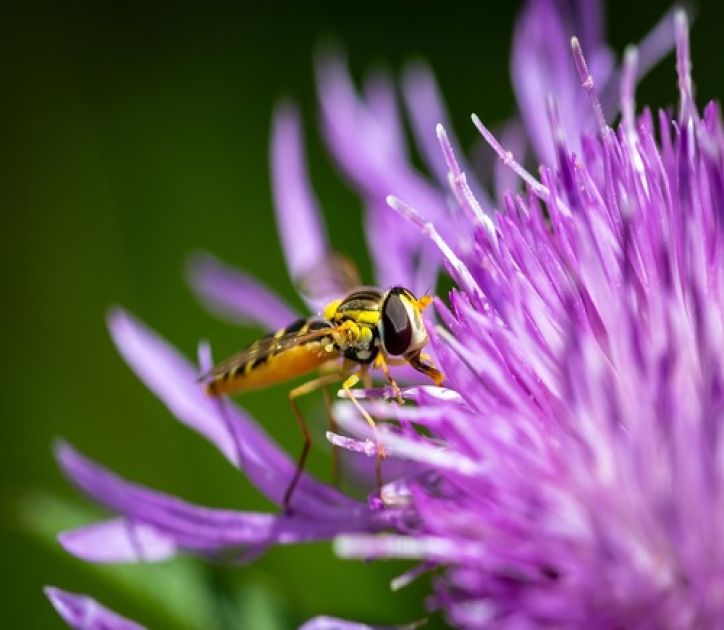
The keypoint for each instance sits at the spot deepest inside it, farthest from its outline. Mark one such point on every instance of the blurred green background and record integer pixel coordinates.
(132, 135)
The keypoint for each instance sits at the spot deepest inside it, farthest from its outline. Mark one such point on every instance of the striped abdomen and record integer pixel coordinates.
(289, 352)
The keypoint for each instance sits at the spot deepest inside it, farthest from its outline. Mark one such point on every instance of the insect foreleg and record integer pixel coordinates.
(381, 363)
(436, 375)
(346, 333)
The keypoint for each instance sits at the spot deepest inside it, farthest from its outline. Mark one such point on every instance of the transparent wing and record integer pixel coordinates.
(332, 278)
(265, 347)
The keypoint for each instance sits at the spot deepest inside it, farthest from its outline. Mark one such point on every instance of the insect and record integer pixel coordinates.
(367, 328)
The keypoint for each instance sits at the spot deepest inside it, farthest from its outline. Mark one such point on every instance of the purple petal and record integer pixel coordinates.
(359, 142)
(652, 48)
(368, 447)
(541, 68)
(85, 613)
(299, 219)
(173, 521)
(394, 268)
(334, 623)
(407, 547)
(356, 131)
(455, 266)
(236, 296)
(396, 445)
(658, 42)
(175, 381)
(426, 110)
(381, 100)
(119, 540)
(587, 18)
(512, 136)
(346, 120)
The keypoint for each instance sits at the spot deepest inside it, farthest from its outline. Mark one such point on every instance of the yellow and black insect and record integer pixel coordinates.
(366, 328)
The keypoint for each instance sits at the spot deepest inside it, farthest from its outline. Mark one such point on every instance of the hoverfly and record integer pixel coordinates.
(367, 328)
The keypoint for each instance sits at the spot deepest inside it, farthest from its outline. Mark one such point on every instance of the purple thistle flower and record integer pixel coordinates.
(571, 470)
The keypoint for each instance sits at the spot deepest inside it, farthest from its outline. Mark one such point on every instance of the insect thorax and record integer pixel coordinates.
(363, 308)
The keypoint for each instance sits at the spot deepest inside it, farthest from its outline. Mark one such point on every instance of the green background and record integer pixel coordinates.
(131, 136)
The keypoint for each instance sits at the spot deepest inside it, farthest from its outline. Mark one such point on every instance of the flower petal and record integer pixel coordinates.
(118, 540)
(357, 138)
(346, 120)
(541, 68)
(432, 548)
(512, 136)
(235, 296)
(175, 381)
(334, 623)
(85, 613)
(395, 267)
(298, 215)
(176, 522)
(426, 110)
(402, 447)
(381, 99)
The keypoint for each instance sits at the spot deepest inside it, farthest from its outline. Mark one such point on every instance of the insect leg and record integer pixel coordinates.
(367, 380)
(302, 390)
(396, 361)
(350, 382)
(436, 375)
(381, 363)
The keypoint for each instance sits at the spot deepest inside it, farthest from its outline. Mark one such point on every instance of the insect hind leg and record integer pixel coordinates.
(350, 382)
(332, 424)
(297, 392)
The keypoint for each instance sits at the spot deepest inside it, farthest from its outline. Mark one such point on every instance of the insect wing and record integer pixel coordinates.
(333, 277)
(263, 348)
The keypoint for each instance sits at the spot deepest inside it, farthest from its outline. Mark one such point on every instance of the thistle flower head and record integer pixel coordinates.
(571, 472)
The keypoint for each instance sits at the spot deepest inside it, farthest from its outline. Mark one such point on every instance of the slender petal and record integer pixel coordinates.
(235, 296)
(357, 137)
(298, 215)
(512, 136)
(395, 267)
(119, 540)
(541, 67)
(84, 613)
(334, 623)
(427, 110)
(187, 525)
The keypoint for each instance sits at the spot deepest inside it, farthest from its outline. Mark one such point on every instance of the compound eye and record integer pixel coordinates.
(396, 325)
